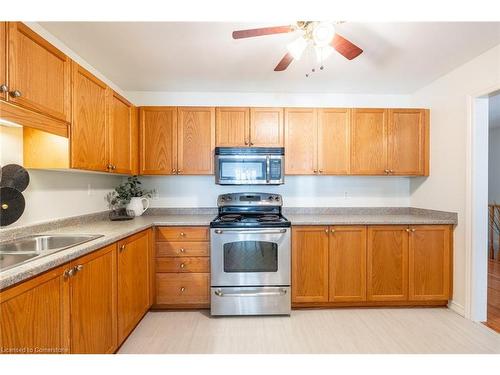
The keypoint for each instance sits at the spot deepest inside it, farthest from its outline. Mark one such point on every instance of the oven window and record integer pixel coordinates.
(242, 170)
(251, 256)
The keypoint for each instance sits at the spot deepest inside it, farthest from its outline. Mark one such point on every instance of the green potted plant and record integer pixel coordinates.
(129, 196)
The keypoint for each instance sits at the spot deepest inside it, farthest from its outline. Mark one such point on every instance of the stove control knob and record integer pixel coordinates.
(229, 198)
(277, 198)
(270, 198)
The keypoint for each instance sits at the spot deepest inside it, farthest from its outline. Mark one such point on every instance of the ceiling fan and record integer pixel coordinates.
(321, 35)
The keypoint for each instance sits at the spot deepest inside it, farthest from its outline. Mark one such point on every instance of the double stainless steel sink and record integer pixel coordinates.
(13, 253)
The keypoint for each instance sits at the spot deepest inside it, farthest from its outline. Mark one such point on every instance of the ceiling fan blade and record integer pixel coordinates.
(283, 64)
(239, 34)
(345, 48)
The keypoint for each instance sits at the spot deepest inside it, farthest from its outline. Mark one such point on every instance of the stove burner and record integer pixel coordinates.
(266, 218)
(230, 218)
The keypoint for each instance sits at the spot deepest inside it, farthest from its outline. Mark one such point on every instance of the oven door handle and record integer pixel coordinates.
(220, 293)
(239, 231)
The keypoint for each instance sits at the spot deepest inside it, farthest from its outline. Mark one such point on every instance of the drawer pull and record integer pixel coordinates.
(182, 250)
(182, 289)
(182, 265)
(183, 234)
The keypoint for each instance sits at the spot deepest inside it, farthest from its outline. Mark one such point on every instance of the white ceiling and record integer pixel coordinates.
(398, 58)
(494, 111)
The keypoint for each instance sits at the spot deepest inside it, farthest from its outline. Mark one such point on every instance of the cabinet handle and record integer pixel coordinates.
(15, 93)
(4, 88)
(391, 171)
(78, 268)
(182, 250)
(332, 230)
(183, 234)
(110, 166)
(113, 167)
(174, 170)
(246, 142)
(408, 230)
(179, 171)
(412, 230)
(251, 143)
(315, 170)
(182, 265)
(320, 171)
(386, 171)
(326, 231)
(122, 247)
(182, 289)
(69, 273)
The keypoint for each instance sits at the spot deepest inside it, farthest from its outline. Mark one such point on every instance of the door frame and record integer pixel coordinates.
(476, 205)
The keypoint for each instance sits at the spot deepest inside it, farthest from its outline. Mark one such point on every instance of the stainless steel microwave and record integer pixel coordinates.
(249, 165)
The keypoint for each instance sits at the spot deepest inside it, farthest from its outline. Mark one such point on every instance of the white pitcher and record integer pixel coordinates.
(136, 207)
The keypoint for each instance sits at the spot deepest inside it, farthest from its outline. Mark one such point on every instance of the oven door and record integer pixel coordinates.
(250, 257)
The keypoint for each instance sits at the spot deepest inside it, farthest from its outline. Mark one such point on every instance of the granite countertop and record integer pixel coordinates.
(113, 231)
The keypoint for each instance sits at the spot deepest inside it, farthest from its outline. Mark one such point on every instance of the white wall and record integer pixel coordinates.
(298, 191)
(445, 189)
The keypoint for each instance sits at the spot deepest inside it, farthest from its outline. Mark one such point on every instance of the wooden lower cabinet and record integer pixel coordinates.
(310, 264)
(430, 262)
(34, 315)
(347, 264)
(182, 267)
(133, 281)
(387, 263)
(93, 303)
(371, 265)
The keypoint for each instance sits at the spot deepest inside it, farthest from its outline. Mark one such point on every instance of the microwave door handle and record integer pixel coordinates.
(268, 169)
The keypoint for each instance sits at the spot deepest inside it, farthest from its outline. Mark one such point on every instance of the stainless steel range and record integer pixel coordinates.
(250, 256)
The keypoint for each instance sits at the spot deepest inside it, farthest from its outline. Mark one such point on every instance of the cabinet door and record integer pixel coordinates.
(301, 140)
(387, 263)
(231, 129)
(40, 72)
(310, 264)
(93, 303)
(34, 315)
(133, 281)
(158, 140)
(408, 148)
(195, 140)
(347, 263)
(123, 134)
(89, 128)
(266, 127)
(3, 60)
(369, 141)
(333, 141)
(430, 262)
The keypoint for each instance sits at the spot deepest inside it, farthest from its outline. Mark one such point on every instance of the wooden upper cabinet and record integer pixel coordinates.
(134, 281)
(34, 315)
(301, 140)
(266, 127)
(39, 75)
(195, 140)
(310, 264)
(89, 128)
(158, 140)
(232, 127)
(3, 60)
(408, 137)
(347, 263)
(387, 263)
(93, 303)
(430, 262)
(333, 141)
(369, 137)
(123, 135)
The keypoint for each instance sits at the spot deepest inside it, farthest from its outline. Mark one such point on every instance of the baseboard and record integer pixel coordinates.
(456, 307)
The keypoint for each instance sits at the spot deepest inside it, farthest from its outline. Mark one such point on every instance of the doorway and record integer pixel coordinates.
(493, 293)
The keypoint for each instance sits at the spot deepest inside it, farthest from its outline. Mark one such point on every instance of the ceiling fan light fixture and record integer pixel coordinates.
(297, 47)
(323, 34)
(322, 53)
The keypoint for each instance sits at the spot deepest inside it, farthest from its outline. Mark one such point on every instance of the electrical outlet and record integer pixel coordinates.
(90, 192)
(155, 194)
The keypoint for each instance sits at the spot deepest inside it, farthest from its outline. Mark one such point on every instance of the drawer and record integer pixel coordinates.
(182, 249)
(183, 264)
(178, 288)
(182, 234)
